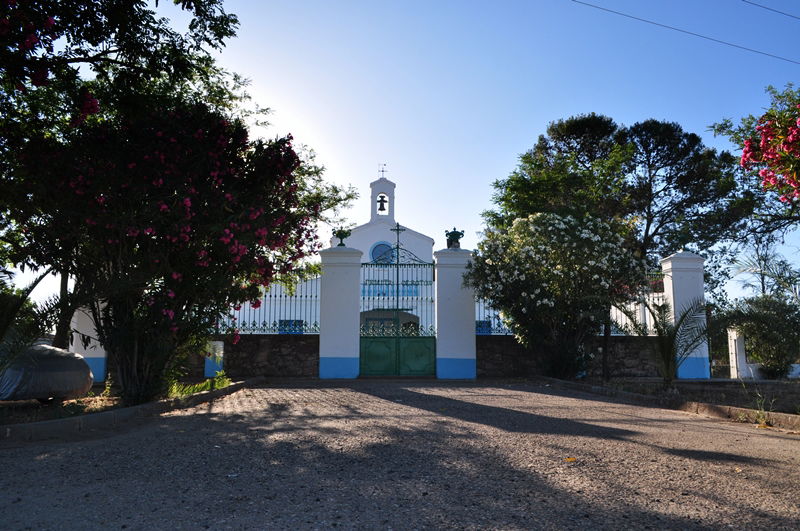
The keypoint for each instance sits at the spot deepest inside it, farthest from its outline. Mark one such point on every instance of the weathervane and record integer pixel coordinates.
(382, 169)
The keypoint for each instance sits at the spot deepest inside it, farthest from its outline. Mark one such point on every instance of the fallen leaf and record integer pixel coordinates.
(737, 469)
(570, 459)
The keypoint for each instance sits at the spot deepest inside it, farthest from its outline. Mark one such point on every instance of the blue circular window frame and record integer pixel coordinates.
(375, 246)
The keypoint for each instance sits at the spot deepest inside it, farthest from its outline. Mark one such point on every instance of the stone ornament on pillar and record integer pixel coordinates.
(455, 316)
(339, 313)
(683, 285)
(454, 238)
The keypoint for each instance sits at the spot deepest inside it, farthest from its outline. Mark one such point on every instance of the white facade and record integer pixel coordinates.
(376, 236)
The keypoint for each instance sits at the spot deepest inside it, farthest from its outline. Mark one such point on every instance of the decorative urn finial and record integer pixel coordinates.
(453, 237)
(341, 233)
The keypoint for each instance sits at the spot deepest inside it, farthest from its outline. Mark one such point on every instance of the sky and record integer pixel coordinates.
(448, 94)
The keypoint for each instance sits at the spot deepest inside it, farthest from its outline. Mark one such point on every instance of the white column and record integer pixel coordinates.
(683, 284)
(455, 316)
(736, 356)
(339, 313)
(93, 352)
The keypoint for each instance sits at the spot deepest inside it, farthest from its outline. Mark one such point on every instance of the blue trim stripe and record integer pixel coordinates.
(212, 367)
(456, 368)
(694, 368)
(98, 368)
(338, 367)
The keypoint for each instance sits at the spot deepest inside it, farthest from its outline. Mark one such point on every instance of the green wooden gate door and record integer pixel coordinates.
(398, 356)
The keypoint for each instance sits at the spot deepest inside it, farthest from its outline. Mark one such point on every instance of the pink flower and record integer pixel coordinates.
(171, 294)
(176, 276)
(30, 41)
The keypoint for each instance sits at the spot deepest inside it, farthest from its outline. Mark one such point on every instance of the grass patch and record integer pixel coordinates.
(177, 389)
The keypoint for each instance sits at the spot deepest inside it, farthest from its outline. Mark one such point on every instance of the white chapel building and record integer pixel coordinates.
(377, 238)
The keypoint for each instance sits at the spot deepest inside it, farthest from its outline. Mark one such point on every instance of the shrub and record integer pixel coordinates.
(771, 328)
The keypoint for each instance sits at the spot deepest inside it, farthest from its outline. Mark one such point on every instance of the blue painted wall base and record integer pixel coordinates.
(694, 369)
(212, 367)
(338, 367)
(456, 368)
(98, 368)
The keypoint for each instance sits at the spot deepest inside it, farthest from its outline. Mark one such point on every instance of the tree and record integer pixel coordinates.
(770, 147)
(577, 168)
(21, 321)
(553, 277)
(176, 216)
(771, 328)
(774, 275)
(142, 183)
(43, 46)
(674, 191)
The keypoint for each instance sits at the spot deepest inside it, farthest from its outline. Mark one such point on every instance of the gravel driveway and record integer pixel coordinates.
(408, 454)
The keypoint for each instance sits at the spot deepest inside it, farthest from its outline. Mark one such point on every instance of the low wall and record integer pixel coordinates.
(500, 356)
(497, 356)
(272, 355)
(629, 356)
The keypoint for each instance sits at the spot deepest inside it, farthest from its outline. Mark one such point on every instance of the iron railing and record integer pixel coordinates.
(282, 311)
(397, 298)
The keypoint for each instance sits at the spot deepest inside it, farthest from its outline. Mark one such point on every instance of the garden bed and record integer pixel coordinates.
(20, 411)
(99, 399)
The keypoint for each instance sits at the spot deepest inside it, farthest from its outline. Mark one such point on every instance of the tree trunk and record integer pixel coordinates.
(65, 312)
(606, 344)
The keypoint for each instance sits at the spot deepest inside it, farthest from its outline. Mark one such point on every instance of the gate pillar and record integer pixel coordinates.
(683, 284)
(455, 316)
(339, 315)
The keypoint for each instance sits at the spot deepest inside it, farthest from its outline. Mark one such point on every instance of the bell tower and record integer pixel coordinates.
(382, 198)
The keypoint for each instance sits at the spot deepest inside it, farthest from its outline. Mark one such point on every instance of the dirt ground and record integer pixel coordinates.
(409, 454)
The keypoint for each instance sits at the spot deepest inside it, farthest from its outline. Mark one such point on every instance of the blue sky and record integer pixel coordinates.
(449, 93)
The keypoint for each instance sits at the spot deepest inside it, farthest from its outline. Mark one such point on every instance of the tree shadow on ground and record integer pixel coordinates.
(353, 462)
(505, 419)
(705, 455)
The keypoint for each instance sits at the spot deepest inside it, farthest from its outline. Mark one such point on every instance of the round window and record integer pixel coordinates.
(383, 253)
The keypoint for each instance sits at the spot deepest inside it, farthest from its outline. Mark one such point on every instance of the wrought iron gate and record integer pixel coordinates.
(398, 336)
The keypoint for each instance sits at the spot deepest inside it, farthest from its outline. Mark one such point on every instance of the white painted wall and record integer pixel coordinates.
(455, 316)
(339, 313)
(683, 284)
(93, 353)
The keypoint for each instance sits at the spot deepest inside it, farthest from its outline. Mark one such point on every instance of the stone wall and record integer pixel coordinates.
(272, 355)
(630, 356)
(499, 356)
